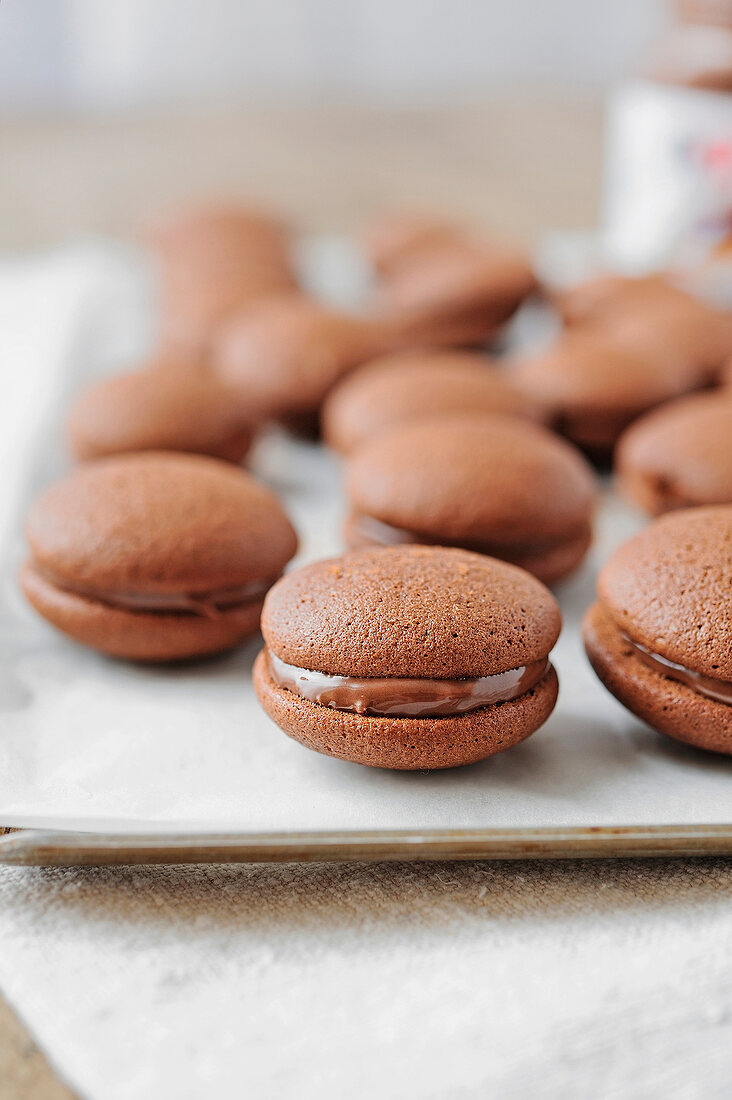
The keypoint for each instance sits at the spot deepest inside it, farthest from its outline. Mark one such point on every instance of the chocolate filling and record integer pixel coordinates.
(405, 697)
(209, 605)
(376, 531)
(718, 690)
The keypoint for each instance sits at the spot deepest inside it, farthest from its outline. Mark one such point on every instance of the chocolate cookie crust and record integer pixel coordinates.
(679, 455)
(669, 706)
(164, 407)
(158, 523)
(473, 477)
(404, 386)
(410, 611)
(670, 589)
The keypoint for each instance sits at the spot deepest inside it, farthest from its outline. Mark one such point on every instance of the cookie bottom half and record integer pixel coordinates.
(667, 705)
(406, 744)
(138, 635)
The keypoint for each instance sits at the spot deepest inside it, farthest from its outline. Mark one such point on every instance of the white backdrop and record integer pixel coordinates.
(92, 53)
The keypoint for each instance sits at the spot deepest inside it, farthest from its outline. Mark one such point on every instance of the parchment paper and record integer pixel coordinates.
(89, 743)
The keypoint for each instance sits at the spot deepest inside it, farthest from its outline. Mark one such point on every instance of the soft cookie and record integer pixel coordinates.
(285, 353)
(212, 260)
(408, 657)
(679, 455)
(155, 556)
(592, 387)
(660, 635)
(493, 484)
(454, 292)
(164, 407)
(405, 385)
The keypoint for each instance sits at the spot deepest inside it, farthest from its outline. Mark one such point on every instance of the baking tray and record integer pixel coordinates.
(45, 848)
(105, 762)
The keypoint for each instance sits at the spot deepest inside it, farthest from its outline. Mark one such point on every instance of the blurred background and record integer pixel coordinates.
(328, 108)
(84, 54)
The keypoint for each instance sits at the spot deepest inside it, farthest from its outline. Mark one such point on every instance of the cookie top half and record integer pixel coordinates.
(589, 372)
(163, 407)
(410, 611)
(158, 522)
(404, 385)
(670, 589)
(683, 450)
(473, 477)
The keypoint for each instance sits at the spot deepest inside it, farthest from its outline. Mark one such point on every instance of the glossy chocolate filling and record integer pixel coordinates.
(209, 605)
(405, 697)
(718, 690)
(375, 530)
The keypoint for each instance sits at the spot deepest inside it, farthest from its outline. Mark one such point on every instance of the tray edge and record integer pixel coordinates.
(45, 848)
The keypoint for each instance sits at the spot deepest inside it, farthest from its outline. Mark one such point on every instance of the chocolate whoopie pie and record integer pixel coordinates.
(164, 407)
(592, 388)
(493, 484)
(681, 332)
(596, 297)
(660, 635)
(405, 385)
(652, 317)
(454, 291)
(389, 238)
(408, 657)
(284, 354)
(155, 556)
(679, 455)
(212, 260)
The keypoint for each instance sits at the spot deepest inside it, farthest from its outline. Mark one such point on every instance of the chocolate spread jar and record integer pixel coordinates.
(668, 186)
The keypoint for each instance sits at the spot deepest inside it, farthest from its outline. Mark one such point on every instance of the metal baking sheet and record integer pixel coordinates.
(102, 761)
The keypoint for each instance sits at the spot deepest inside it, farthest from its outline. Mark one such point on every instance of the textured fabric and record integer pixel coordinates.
(608, 980)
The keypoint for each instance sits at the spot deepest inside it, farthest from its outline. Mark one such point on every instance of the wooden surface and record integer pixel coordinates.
(516, 164)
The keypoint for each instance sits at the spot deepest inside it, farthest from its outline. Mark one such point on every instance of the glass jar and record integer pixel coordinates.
(668, 179)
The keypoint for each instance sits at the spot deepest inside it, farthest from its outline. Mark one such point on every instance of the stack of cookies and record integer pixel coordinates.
(471, 486)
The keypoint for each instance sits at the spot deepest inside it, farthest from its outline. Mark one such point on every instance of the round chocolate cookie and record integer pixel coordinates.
(681, 332)
(284, 354)
(165, 407)
(405, 385)
(454, 291)
(212, 260)
(679, 455)
(493, 484)
(592, 388)
(408, 657)
(155, 556)
(393, 235)
(660, 635)
(652, 317)
(595, 298)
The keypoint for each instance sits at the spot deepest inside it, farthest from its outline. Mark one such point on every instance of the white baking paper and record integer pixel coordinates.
(89, 743)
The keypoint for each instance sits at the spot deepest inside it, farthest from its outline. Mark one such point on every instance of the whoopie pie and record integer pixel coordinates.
(212, 259)
(166, 406)
(408, 657)
(284, 353)
(497, 485)
(660, 634)
(592, 387)
(406, 385)
(155, 556)
(454, 292)
(679, 455)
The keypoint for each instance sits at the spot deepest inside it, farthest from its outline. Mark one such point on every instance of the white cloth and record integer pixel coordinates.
(566, 980)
